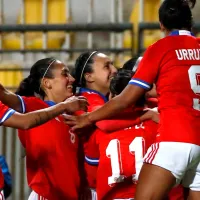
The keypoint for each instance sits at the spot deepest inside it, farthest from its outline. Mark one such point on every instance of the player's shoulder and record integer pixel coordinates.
(156, 49)
(32, 103)
(91, 95)
(94, 99)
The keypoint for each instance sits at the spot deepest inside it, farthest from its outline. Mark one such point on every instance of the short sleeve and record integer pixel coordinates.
(29, 104)
(148, 68)
(91, 150)
(5, 113)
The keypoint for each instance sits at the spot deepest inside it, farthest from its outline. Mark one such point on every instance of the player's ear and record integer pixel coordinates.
(46, 83)
(88, 77)
(162, 27)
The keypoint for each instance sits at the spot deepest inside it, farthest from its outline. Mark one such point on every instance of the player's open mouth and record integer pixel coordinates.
(69, 87)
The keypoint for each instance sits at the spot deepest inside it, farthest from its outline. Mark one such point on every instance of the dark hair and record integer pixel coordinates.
(130, 64)
(32, 84)
(83, 65)
(176, 14)
(120, 81)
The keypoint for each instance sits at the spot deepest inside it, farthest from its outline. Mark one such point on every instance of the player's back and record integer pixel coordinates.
(121, 157)
(177, 59)
(178, 72)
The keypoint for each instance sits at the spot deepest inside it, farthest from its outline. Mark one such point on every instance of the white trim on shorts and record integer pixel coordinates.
(181, 159)
(2, 195)
(93, 194)
(125, 199)
(35, 196)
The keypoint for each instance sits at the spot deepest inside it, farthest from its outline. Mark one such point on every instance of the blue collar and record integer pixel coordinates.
(50, 103)
(181, 32)
(81, 90)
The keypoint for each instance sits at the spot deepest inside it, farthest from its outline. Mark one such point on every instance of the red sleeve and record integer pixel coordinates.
(91, 149)
(148, 68)
(152, 102)
(115, 125)
(5, 113)
(127, 118)
(29, 104)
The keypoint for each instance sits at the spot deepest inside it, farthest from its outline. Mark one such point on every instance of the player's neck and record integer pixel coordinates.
(168, 32)
(55, 100)
(103, 91)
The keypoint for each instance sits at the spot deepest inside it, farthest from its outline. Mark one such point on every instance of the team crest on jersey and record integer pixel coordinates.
(72, 137)
(57, 119)
(139, 126)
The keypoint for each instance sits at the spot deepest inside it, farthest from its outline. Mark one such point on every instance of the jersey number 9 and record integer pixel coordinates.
(194, 77)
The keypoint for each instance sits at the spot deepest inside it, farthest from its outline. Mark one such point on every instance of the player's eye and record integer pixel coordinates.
(65, 72)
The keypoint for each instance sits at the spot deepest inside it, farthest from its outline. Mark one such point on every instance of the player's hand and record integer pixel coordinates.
(76, 103)
(77, 122)
(152, 114)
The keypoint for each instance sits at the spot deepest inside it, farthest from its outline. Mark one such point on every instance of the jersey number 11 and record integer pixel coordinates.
(113, 152)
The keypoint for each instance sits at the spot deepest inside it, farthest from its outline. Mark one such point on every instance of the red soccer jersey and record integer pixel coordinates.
(51, 156)
(173, 63)
(5, 113)
(91, 151)
(121, 157)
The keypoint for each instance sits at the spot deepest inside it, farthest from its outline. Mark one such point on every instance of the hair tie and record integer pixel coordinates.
(85, 66)
(46, 72)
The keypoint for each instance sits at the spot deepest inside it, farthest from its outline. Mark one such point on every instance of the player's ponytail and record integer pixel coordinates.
(83, 65)
(176, 14)
(31, 85)
(26, 87)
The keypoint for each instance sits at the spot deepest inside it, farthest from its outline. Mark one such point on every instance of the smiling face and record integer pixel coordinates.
(102, 73)
(59, 87)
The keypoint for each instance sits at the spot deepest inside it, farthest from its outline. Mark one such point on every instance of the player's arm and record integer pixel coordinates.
(115, 125)
(36, 118)
(142, 81)
(10, 99)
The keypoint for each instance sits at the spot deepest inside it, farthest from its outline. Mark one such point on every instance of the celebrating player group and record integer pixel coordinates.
(108, 134)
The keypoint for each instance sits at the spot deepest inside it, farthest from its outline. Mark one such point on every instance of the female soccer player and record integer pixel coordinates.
(93, 73)
(51, 148)
(121, 152)
(173, 63)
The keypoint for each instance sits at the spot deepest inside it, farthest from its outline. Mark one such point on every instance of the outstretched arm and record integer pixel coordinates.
(113, 125)
(10, 99)
(127, 98)
(36, 118)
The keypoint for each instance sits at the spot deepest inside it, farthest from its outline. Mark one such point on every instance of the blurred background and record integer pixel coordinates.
(34, 29)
